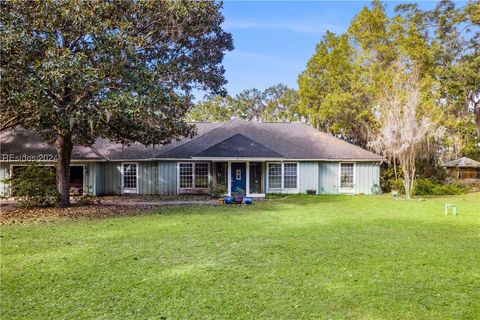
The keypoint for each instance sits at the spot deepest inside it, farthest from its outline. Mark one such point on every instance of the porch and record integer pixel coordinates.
(251, 177)
(247, 177)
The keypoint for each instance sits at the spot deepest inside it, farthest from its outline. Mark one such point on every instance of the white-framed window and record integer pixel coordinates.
(186, 175)
(201, 175)
(283, 176)
(290, 175)
(193, 175)
(130, 177)
(347, 176)
(275, 176)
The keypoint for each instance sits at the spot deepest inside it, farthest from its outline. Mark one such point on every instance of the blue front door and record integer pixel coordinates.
(239, 177)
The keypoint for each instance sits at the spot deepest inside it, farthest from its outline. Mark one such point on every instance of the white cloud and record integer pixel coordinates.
(303, 27)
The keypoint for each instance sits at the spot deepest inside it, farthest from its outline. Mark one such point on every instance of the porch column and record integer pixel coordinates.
(229, 178)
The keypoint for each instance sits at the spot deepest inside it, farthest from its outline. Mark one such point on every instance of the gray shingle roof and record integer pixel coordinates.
(290, 140)
(238, 146)
(20, 142)
(463, 162)
(111, 150)
(237, 138)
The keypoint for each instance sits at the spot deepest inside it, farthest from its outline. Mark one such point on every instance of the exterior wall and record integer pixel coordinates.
(309, 176)
(99, 178)
(112, 178)
(154, 177)
(367, 175)
(148, 177)
(160, 177)
(328, 177)
(4, 168)
(469, 175)
(324, 177)
(167, 177)
(89, 175)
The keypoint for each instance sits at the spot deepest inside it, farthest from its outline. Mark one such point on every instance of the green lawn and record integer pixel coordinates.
(303, 257)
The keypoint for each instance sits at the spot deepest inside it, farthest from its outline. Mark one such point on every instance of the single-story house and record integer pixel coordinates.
(257, 158)
(463, 168)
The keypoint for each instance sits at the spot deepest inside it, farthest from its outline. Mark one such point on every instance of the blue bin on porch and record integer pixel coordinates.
(248, 200)
(228, 200)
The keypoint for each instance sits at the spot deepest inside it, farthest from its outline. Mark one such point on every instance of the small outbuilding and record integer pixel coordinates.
(463, 168)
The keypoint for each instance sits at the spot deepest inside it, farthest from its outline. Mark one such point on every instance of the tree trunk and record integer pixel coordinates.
(406, 185)
(407, 163)
(395, 169)
(64, 148)
(473, 100)
(477, 121)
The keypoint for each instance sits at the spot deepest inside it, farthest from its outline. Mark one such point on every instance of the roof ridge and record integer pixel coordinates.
(194, 122)
(199, 136)
(98, 153)
(250, 121)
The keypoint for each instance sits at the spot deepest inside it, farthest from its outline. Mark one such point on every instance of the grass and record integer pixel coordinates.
(301, 257)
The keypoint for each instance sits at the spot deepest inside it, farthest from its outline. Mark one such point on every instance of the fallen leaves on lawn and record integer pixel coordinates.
(11, 214)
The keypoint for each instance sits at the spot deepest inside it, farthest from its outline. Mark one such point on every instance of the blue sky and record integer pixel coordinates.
(274, 39)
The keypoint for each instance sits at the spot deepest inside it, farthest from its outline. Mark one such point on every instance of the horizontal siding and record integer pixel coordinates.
(308, 176)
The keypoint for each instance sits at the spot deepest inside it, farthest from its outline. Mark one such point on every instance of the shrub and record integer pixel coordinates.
(428, 187)
(217, 190)
(426, 168)
(448, 189)
(34, 186)
(387, 177)
(86, 199)
(397, 184)
(423, 187)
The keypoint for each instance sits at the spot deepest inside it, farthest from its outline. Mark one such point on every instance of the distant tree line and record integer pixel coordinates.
(345, 83)
(276, 103)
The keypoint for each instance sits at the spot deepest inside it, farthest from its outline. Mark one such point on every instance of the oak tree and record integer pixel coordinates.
(73, 70)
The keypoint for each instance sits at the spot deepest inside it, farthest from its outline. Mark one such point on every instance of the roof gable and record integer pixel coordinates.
(238, 146)
(463, 162)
